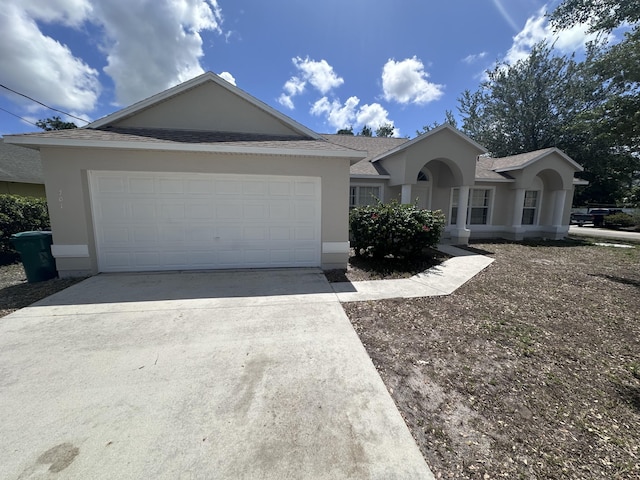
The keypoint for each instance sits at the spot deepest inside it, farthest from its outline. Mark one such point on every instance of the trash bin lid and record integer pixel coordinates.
(33, 234)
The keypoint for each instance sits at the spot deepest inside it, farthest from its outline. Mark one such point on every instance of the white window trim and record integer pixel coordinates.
(492, 198)
(536, 216)
(380, 186)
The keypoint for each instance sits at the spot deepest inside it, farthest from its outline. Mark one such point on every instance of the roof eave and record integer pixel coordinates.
(353, 155)
(567, 158)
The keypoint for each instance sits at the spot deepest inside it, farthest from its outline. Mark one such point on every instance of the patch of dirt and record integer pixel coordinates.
(366, 268)
(531, 370)
(16, 293)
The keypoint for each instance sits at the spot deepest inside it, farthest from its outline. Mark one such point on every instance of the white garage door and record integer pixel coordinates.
(173, 221)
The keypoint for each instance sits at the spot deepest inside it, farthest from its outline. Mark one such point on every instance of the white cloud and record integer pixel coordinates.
(343, 116)
(145, 57)
(374, 116)
(319, 74)
(66, 12)
(406, 82)
(474, 57)
(228, 77)
(149, 45)
(538, 29)
(41, 67)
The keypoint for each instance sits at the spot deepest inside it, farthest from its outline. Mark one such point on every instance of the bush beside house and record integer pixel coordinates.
(395, 229)
(19, 214)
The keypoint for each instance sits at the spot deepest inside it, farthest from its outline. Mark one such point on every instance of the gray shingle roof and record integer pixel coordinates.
(484, 170)
(158, 135)
(516, 161)
(374, 146)
(19, 164)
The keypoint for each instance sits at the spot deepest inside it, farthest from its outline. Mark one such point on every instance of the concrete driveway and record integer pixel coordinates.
(207, 375)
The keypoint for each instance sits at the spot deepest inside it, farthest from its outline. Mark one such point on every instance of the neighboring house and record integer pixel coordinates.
(205, 176)
(20, 171)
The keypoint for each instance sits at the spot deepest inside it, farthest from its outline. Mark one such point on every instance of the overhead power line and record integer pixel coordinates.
(21, 118)
(44, 105)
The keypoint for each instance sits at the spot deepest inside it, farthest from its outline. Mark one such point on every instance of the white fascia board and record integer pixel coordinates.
(354, 155)
(370, 177)
(495, 180)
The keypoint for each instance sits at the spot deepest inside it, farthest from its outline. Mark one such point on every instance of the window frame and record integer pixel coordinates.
(535, 208)
(453, 206)
(356, 196)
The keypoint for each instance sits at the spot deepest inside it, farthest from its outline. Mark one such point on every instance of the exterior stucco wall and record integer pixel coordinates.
(24, 189)
(208, 107)
(69, 201)
(446, 146)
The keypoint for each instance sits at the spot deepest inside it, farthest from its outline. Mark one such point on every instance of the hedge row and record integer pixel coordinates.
(19, 214)
(395, 229)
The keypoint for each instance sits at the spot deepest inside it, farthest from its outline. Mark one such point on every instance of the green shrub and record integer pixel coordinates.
(19, 214)
(619, 220)
(394, 229)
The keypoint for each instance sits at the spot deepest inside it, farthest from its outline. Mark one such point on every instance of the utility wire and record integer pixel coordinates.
(40, 103)
(21, 118)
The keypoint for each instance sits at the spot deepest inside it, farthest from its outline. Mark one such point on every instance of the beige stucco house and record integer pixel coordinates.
(205, 176)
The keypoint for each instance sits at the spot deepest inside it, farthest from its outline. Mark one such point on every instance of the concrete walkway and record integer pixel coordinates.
(443, 279)
(216, 375)
(589, 231)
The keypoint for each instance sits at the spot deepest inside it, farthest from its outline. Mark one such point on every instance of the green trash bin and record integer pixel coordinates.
(35, 251)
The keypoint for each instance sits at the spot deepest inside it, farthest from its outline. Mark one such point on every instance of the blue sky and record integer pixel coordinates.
(326, 64)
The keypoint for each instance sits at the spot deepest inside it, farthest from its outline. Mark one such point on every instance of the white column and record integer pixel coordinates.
(558, 207)
(406, 194)
(518, 207)
(463, 200)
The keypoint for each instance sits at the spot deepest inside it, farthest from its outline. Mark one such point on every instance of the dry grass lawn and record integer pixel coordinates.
(531, 370)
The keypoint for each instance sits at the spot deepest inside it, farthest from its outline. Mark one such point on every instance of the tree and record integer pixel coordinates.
(449, 118)
(602, 15)
(54, 123)
(616, 121)
(552, 101)
(385, 130)
(346, 131)
(525, 106)
(366, 131)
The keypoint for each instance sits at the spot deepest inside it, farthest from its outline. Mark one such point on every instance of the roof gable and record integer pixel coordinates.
(523, 160)
(206, 103)
(442, 129)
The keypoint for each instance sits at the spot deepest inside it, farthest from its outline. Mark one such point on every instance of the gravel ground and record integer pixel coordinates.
(531, 370)
(16, 293)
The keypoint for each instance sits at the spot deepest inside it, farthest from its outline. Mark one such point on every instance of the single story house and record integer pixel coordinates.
(204, 176)
(20, 171)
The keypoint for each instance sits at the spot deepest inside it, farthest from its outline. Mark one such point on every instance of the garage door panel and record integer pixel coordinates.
(167, 221)
(141, 185)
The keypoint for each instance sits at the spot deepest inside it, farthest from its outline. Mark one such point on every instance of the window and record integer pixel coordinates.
(478, 213)
(455, 194)
(360, 195)
(477, 207)
(530, 207)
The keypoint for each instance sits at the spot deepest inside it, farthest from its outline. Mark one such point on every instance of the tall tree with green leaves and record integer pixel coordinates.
(449, 118)
(525, 106)
(54, 123)
(615, 122)
(385, 130)
(366, 131)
